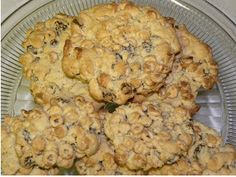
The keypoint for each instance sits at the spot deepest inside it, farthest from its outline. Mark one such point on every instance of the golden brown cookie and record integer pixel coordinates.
(148, 135)
(42, 61)
(120, 50)
(208, 156)
(52, 136)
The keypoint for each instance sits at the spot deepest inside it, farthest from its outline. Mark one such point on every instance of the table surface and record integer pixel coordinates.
(228, 7)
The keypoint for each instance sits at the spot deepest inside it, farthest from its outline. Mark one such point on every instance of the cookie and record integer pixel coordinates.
(193, 68)
(42, 61)
(148, 135)
(52, 136)
(208, 156)
(120, 50)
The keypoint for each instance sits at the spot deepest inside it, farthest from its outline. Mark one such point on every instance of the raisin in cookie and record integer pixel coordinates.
(207, 156)
(120, 50)
(149, 135)
(42, 61)
(51, 137)
(193, 68)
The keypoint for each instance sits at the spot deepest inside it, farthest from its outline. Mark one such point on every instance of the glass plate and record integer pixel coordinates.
(218, 106)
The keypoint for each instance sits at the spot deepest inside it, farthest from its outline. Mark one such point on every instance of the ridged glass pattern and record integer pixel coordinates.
(218, 106)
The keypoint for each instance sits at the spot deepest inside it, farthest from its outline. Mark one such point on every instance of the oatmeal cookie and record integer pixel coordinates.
(208, 156)
(120, 50)
(193, 68)
(42, 61)
(52, 136)
(149, 135)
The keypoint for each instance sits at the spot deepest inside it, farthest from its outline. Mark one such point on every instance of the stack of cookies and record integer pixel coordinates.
(116, 86)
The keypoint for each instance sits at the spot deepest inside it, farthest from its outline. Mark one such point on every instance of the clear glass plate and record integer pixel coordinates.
(218, 106)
